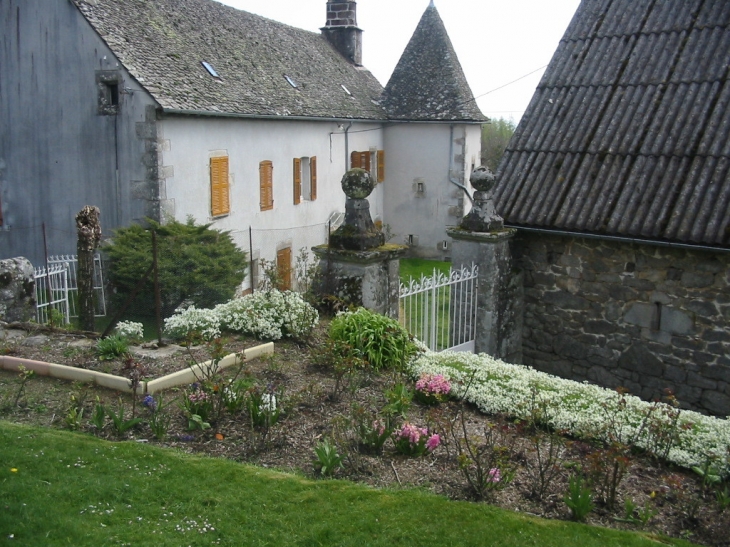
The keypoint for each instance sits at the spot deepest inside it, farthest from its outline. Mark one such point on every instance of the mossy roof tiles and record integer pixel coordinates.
(163, 42)
(428, 84)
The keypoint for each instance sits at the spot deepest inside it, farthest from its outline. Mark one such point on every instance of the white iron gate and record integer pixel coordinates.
(441, 310)
(51, 292)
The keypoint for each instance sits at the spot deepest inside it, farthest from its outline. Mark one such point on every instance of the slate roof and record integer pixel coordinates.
(163, 42)
(628, 132)
(428, 83)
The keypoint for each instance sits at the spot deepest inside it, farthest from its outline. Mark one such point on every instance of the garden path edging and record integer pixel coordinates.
(118, 383)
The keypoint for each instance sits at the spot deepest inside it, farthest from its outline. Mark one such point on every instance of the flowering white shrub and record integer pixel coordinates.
(271, 315)
(130, 330)
(582, 409)
(193, 321)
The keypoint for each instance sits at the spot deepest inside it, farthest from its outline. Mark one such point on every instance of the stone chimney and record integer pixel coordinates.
(341, 30)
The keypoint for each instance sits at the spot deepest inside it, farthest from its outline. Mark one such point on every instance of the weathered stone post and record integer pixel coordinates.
(482, 238)
(357, 266)
(89, 236)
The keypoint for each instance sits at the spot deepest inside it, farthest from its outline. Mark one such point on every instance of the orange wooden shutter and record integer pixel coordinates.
(381, 165)
(283, 268)
(219, 199)
(355, 160)
(313, 177)
(266, 169)
(297, 180)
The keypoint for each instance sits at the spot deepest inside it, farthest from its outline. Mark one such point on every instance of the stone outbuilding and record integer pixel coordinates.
(618, 181)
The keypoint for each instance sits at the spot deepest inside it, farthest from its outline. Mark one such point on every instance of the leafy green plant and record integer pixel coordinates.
(112, 347)
(371, 431)
(263, 406)
(399, 399)
(121, 426)
(98, 416)
(24, 375)
(578, 499)
(196, 263)
(637, 515)
(234, 394)
(196, 423)
(328, 459)
(380, 340)
(723, 498)
(73, 418)
(159, 420)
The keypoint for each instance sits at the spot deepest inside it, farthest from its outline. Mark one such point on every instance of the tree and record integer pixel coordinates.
(495, 137)
(196, 264)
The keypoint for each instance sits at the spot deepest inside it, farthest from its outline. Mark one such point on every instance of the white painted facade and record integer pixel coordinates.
(188, 143)
(420, 201)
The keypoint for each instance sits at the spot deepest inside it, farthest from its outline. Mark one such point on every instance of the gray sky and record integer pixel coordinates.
(497, 41)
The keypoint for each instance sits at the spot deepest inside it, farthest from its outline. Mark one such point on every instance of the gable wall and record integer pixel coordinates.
(57, 153)
(419, 152)
(188, 143)
(619, 314)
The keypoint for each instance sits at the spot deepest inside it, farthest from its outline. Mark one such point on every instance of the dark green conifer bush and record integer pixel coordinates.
(196, 264)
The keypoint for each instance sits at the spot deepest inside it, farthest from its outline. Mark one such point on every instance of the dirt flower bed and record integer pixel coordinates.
(313, 406)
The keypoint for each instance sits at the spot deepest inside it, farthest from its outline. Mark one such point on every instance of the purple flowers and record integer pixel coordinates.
(150, 403)
(494, 475)
(432, 388)
(415, 441)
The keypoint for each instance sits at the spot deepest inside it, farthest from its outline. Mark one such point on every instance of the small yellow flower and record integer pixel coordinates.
(13, 470)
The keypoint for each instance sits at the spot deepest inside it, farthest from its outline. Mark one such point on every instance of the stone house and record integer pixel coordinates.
(618, 180)
(189, 108)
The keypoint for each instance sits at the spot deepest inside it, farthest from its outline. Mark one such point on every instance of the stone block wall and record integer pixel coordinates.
(643, 317)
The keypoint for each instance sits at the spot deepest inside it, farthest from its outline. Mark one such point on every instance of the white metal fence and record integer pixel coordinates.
(441, 310)
(58, 288)
(51, 292)
(70, 262)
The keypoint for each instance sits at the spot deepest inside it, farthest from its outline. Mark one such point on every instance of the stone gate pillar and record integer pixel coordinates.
(357, 266)
(481, 238)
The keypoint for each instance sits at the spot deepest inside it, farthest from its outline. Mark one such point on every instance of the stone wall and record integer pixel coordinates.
(17, 290)
(619, 314)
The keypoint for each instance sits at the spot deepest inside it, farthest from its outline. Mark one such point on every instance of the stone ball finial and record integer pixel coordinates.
(357, 184)
(482, 179)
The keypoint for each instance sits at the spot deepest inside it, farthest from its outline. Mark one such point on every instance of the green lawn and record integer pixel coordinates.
(62, 488)
(414, 267)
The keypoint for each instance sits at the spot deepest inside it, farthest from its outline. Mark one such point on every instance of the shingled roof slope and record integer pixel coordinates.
(428, 83)
(628, 133)
(163, 42)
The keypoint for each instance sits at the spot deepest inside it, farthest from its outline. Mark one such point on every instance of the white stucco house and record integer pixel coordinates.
(189, 108)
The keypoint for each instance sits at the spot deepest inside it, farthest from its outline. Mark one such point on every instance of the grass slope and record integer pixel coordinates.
(415, 267)
(61, 488)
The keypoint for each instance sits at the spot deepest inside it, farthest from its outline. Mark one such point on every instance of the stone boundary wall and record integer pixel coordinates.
(643, 317)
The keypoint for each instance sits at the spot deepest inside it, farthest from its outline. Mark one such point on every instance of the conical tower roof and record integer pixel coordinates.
(428, 83)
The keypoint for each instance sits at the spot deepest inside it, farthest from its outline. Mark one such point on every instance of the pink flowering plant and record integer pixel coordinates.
(432, 389)
(412, 440)
(198, 400)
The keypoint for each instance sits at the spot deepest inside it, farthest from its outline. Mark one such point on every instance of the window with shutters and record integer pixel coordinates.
(305, 179)
(372, 160)
(283, 268)
(360, 160)
(266, 183)
(297, 180)
(220, 203)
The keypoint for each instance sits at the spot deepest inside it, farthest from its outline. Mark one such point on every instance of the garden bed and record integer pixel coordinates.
(672, 500)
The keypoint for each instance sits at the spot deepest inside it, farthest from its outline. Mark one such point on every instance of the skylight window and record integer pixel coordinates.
(292, 81)
(346, 90)
(210, 69)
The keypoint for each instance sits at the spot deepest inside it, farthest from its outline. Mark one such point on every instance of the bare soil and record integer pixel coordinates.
(684, 508)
